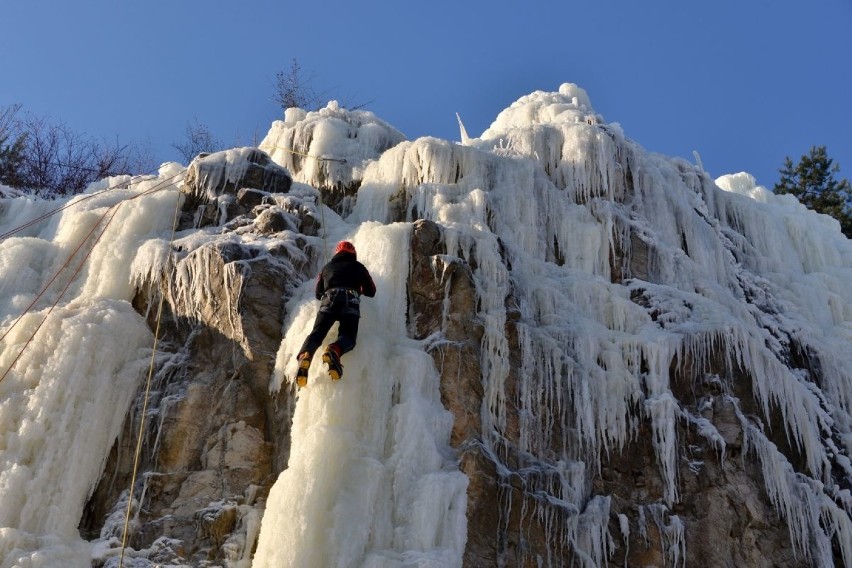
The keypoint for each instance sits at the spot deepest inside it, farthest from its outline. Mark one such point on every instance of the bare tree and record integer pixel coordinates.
(293, 89)
(58, 160)
(9, 120)
(52, 159)
(197, 139)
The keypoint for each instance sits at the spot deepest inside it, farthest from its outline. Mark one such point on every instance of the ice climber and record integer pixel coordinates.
(339, 287)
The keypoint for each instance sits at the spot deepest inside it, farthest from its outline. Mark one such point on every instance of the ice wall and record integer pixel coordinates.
(371, 479)
(329, 147)
(553, 208)
(73, 362)
(542, 203)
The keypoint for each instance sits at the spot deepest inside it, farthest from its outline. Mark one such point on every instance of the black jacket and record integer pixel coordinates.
(344, 271)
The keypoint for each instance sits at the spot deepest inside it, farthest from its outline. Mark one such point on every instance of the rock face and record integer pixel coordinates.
(212, 181)
(215, 438)
(544, 490)
(730, 519)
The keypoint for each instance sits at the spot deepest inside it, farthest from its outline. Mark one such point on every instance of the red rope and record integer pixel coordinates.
(68, 285)
(67, 262)
(75, 202)
(156, 188)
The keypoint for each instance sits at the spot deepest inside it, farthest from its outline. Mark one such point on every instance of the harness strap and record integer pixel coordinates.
(349, 291)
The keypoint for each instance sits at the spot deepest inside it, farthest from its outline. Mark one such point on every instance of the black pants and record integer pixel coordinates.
(335, 307)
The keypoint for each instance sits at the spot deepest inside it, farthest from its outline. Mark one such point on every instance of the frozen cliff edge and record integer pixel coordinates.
(589, 353)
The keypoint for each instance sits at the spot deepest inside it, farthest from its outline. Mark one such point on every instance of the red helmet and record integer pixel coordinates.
(344, 246)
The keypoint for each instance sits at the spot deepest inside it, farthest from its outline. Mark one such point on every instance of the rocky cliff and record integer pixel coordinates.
(629, 382)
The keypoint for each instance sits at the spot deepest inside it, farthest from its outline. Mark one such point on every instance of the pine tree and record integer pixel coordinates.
(11, 158)
(812, 181)
(11, 146)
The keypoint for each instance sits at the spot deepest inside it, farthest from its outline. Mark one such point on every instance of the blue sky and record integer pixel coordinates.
(743, 82)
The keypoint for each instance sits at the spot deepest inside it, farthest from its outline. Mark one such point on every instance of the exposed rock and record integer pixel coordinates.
(215, 439)
(272, 220)
(217, 442)
(212, 183)
(508, 514)
(540, 491)
(250, 198)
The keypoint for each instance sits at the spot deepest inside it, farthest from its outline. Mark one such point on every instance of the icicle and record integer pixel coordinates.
(624, 527)
(811, 515)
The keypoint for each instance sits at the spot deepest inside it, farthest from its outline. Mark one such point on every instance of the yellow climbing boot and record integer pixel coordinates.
(304, 365)
(331, 357)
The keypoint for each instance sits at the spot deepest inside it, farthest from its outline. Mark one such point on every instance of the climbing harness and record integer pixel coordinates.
(139, 439)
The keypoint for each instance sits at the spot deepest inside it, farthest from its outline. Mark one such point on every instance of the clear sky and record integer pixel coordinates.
(743, 82)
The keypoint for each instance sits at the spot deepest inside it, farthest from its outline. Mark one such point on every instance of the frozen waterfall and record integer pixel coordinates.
(608, 281)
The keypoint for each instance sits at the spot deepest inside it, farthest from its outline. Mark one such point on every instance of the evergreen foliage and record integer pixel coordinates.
(812, 181)
(11, 147)
(11, 159)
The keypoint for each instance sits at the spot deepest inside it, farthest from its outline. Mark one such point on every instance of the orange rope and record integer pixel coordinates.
(72, 203)
(58, 209)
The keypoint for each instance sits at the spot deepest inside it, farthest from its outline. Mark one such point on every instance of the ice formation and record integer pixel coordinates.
(620, 267)
(370, 462)
(63, 396)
